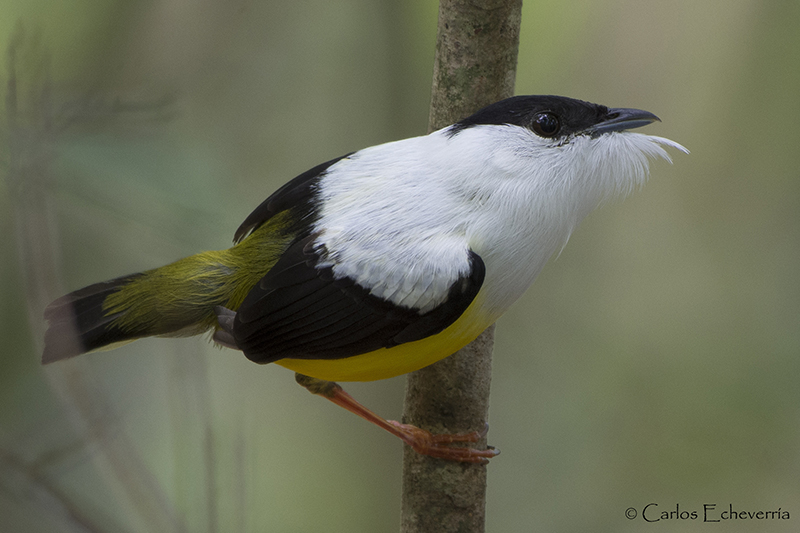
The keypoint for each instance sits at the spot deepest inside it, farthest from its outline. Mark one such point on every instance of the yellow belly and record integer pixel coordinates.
(389, 362)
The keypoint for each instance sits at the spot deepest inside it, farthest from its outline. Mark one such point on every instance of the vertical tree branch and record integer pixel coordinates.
(475, 65)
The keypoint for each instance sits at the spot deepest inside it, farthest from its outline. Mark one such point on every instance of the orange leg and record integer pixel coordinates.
(422, 441)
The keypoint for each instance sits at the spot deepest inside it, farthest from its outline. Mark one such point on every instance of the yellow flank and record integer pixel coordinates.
(389, 362)
(178, 300)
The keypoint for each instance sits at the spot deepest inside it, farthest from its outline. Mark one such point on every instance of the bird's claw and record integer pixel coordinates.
(439, 446)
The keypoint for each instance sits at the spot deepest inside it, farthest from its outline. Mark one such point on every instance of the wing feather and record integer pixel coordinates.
(292, 195)
(301, 310)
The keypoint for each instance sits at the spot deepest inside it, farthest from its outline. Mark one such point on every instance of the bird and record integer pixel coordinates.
(387, 259)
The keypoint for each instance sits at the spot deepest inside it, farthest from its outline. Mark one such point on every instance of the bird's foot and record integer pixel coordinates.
(439, 445)
(421, 441)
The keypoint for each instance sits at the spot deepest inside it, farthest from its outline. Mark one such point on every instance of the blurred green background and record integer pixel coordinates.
(654, 361)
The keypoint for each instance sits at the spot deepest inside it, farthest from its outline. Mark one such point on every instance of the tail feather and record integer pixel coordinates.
(175, 300)
(79, 324)
(178, 299)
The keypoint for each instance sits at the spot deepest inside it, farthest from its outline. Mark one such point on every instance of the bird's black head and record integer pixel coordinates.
(555, 117)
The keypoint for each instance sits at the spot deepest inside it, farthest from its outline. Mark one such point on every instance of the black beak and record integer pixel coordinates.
(620, 119)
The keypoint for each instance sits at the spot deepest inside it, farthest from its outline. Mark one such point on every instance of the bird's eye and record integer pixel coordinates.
(546, 125)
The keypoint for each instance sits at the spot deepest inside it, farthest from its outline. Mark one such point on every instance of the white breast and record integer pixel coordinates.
(400, 218)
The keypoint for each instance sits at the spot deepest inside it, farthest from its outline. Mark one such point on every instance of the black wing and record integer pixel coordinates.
(295, 194)
(298, 310)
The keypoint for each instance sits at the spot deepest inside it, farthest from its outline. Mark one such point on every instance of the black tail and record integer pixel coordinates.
(78, 323)
(175, 300)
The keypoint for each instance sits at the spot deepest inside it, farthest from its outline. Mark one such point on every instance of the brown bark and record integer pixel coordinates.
(475, 65)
